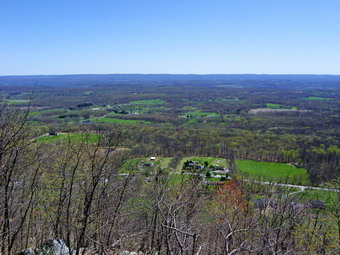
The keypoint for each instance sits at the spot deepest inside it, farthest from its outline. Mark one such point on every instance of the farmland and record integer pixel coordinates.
(147, 102)
(16, 101)
(274, 172)
(314, 98)
(49, 111)
(191, 150)
(279, 106)
(199, 114)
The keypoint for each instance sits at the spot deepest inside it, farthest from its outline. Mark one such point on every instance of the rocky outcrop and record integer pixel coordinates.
(27, 251)
(58, 247)
(51, 247)
(129, 253)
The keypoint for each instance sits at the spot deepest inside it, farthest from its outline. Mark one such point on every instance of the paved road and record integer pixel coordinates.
(302, 188)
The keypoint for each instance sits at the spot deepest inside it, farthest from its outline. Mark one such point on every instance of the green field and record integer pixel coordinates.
(213, 179)
(317, 98)
(132, 165)
(188, 107)
(328, 197)
(115, 114)
(58, 110)
(190, 122)
(76, 138)
(269, 171)
(118, 121)
(164, 163)
(16, 101)
(148, 102)
(199, 114)
(176, 179)
(280, 106)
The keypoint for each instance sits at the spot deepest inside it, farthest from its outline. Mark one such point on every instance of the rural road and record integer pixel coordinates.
(292, 186)
(302, 188)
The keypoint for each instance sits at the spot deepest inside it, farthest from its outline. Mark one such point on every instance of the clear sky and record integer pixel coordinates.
(169, 36)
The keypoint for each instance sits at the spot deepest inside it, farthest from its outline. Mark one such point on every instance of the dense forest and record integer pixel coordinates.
(168, 164)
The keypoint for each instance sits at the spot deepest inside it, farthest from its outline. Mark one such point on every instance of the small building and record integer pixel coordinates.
(152, 158)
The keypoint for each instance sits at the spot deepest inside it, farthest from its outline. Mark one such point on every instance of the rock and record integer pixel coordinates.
(53, 247)
(123, 253)
(129, 253)
(27, 251)
(86, 251)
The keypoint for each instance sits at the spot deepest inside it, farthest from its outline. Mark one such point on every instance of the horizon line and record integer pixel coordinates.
(202, 74)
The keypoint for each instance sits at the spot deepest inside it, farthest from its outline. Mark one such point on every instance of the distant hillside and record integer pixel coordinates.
(247, 80)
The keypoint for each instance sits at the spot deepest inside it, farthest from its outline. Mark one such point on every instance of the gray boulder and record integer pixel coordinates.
(53, 247)
(27, 251)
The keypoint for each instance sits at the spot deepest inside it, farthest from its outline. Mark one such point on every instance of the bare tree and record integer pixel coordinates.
(19, 174)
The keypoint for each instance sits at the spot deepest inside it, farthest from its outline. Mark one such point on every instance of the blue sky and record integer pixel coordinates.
(169, 36)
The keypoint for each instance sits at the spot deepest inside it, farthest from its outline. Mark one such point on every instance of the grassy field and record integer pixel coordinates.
(189, 107)
(176, 179)
(76, 138)
(199, 114)
(213, 179)
(148, 102)
(132, 165)
(317, 98)
(118, 121)
(16, 101)
(115, 114)
(165, 162)
(190, 122)
(58, 110)
(136, 164)
(280, 106)
(328, 197)
(276, 172)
